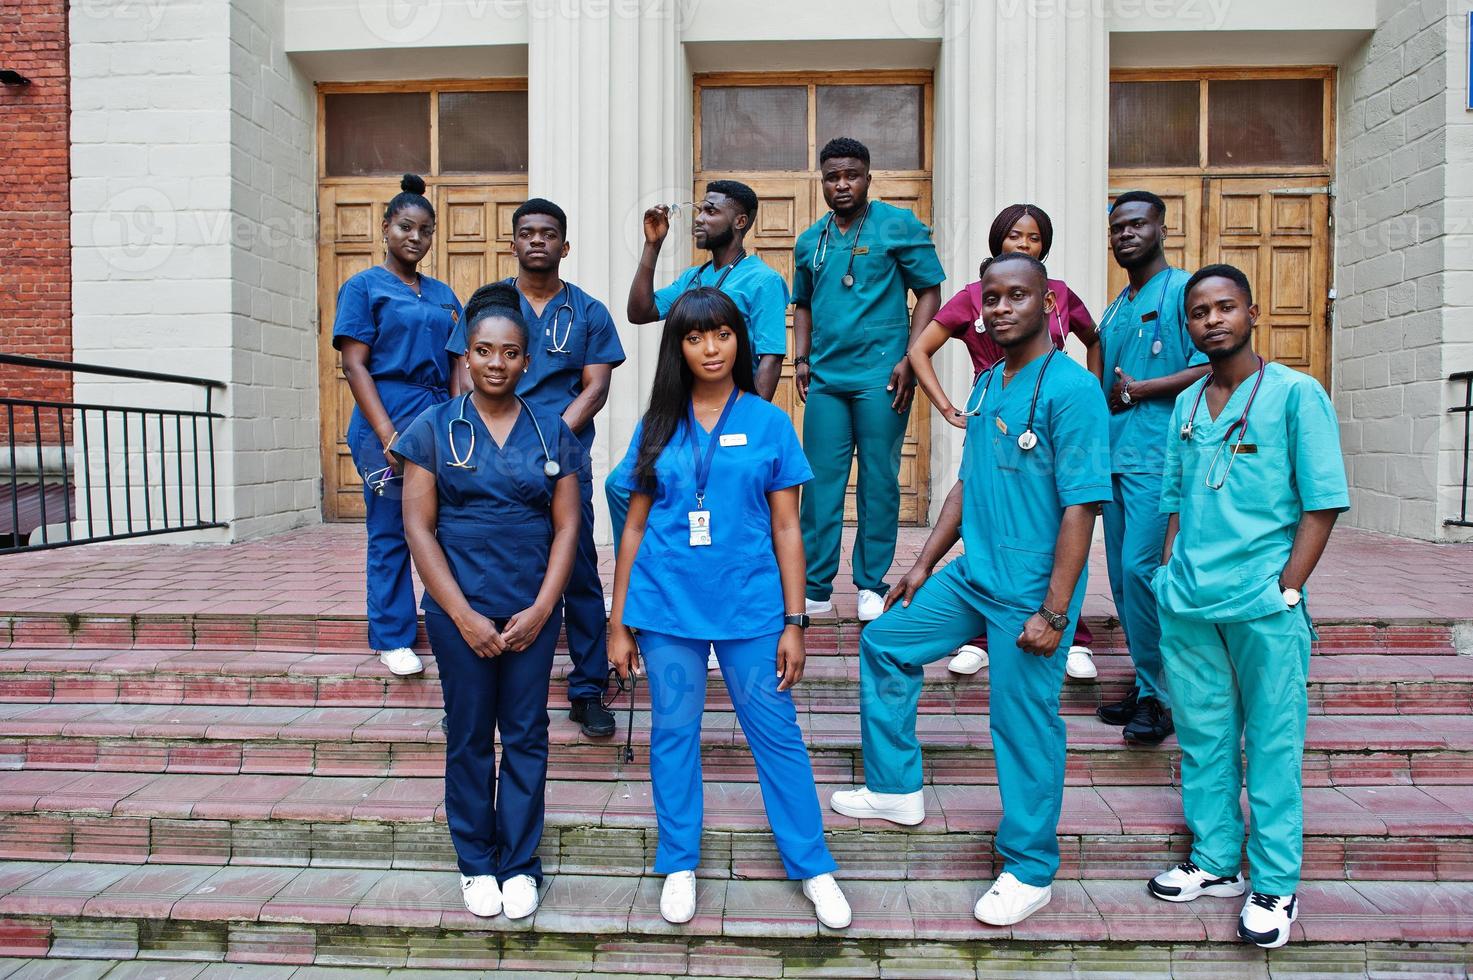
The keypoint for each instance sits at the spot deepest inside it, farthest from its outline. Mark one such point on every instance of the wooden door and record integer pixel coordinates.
(1183, 197)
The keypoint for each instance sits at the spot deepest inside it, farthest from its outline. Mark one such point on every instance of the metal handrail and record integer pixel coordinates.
(1466, 410)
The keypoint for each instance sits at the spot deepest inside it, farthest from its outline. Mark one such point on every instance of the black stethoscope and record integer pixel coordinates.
(821, 253)
(550, 468)
(558, 346)
(695, 280)
(1027, 439)
(1240, 426)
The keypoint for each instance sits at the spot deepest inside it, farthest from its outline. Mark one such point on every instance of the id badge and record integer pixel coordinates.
(700, 528)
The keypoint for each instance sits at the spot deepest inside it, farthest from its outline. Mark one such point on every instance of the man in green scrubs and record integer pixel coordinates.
(1253, 483)
(851, 272)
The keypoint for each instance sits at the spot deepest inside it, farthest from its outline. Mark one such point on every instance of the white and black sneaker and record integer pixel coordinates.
(1186, 881)
(1266, 919)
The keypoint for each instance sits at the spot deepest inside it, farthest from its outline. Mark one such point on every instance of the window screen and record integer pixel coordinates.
(483, 132)
(377, 133)
(1266, 122)
(889, 119)
(1154, 124)
(754, 128)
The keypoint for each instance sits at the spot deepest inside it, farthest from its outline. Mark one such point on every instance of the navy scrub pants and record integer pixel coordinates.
(583, 602)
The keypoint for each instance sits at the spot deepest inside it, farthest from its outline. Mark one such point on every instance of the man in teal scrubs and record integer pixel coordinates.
(1035, 468)
(1253, 483)
(851, 271)
(1147, 358)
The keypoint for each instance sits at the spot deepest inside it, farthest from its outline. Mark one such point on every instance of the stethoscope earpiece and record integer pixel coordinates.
(551, 468)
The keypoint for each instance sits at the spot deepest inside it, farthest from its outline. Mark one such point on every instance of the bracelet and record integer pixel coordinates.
(800, 360)
(392, 439)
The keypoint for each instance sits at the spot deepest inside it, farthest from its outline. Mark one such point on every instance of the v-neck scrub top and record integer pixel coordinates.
(757, 289)
(494, 521)
(730, 589)
(405, 332)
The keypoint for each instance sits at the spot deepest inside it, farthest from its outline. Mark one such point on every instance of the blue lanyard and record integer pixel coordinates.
(703, 468)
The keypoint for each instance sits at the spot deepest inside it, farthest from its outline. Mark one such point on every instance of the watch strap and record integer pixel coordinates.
(799, 620)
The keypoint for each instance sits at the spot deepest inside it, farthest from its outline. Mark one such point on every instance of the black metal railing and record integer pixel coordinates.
(81, 472)
(1466, 410)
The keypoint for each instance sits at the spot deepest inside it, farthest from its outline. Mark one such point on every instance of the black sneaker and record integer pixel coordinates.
(1119, 713)
(1151, 723)
(595, 719)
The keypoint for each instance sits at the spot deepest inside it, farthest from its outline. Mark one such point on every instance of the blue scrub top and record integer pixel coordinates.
(1127, 333)
(494, 521)
(1233, 543)
(562, 345)
(1013, 500)
(406, 333)
(860, 332)
(730, 589)
(757, 289)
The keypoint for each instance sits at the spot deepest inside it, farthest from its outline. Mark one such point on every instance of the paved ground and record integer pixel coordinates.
(319, 571)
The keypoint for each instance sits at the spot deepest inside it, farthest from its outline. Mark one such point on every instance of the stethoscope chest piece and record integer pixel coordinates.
(551, 468)
(848, 281)
(1155, 348)
(1027, 440)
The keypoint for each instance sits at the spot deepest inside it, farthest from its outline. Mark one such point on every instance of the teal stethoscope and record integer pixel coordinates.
(1108, 319)
(1240, 427)
(558, 346)
(821, 252)
(1027, 439)
(550, 467)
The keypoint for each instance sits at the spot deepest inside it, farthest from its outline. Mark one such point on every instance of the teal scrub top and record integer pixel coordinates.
(860, 332)
(757, 289)
(1233, 543)
(1013, 500)
(1128, 331)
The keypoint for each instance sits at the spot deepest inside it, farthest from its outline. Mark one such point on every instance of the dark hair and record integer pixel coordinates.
(1005, 257)
(1221, 271)
(843, 146)
(704, 309)
(738, 192)
(411, 195)
(1142, 197)
(495, 299)
(1010, 216)
(541, 205)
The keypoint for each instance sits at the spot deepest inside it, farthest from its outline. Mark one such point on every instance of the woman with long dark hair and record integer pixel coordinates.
(712, 557)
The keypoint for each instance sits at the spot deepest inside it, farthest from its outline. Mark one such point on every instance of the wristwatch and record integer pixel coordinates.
(1055, 620)
(1292, 597)
(1125, 398)
(799, 620)
(804, 359)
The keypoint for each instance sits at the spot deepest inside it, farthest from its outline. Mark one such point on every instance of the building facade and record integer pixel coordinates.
(230, 159)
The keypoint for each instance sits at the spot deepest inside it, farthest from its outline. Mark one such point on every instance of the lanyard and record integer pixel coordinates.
(703, 468)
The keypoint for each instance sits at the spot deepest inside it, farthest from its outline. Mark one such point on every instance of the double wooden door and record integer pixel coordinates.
(472, 246)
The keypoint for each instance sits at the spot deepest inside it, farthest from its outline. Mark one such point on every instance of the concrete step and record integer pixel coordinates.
(1385, 832)
(1339, 683)
(1341, 750)
(590, 924)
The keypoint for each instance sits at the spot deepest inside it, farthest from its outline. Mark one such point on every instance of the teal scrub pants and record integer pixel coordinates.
(1241, 687)
(1023, 710)
(835, 426)
(1135, 533)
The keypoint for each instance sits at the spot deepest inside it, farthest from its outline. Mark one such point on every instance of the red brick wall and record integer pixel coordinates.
(35, 246)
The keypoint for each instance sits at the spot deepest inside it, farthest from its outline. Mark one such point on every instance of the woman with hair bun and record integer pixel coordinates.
(391, 328)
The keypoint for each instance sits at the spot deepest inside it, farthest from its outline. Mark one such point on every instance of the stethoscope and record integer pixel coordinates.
(1057, 318)
(1027, 439)
(559, 346)
(695, 280)
(550, 468)
(1240, 426)
(1108, 319)
(821, 253)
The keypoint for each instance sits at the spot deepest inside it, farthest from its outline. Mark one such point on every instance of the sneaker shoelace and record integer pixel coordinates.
(825, 889)
(1269, 902)
(1187, 867)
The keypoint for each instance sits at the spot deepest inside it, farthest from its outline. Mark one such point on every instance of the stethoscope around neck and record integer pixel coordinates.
(550, 468)
(1240, 426)
(1027, 439)
(558, 346)
(821, 252)
(1109, 318)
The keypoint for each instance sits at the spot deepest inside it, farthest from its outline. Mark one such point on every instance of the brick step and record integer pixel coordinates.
(1341, 750)
(589, 924)
(1352, 833)
(163, 631)
(1339, 684)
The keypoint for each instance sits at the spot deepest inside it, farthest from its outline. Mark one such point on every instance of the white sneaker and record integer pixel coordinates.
(871, 605)
(481, 894)
(818, 607)
(906, 809)
(968, 660)
(1266, 919)
(401, 661)
(1186, 881)
(711, 662)
(1081, 664)
(519, 895)
(828, 901)
(1010, 901)
(678, 897)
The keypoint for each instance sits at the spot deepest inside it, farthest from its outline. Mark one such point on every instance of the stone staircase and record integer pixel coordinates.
(183, 791)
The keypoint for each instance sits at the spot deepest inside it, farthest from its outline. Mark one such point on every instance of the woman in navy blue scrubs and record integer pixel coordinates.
(713, 472)
(491, 511)
(391, 328)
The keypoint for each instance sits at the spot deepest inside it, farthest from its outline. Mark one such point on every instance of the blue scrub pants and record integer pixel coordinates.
(835, 426)
(1135, 533)
(583, 615)
(495, 818)
(1023, 710)
(1241, 687)
(676, 667)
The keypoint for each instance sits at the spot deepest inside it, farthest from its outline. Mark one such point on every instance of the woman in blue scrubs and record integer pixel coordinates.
(391, 328)
(491, 512)
(713, 472)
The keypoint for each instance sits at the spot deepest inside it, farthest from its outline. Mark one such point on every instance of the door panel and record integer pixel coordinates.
(1183, 197)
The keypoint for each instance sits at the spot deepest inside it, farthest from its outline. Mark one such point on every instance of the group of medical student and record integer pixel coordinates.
(1219, 478)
